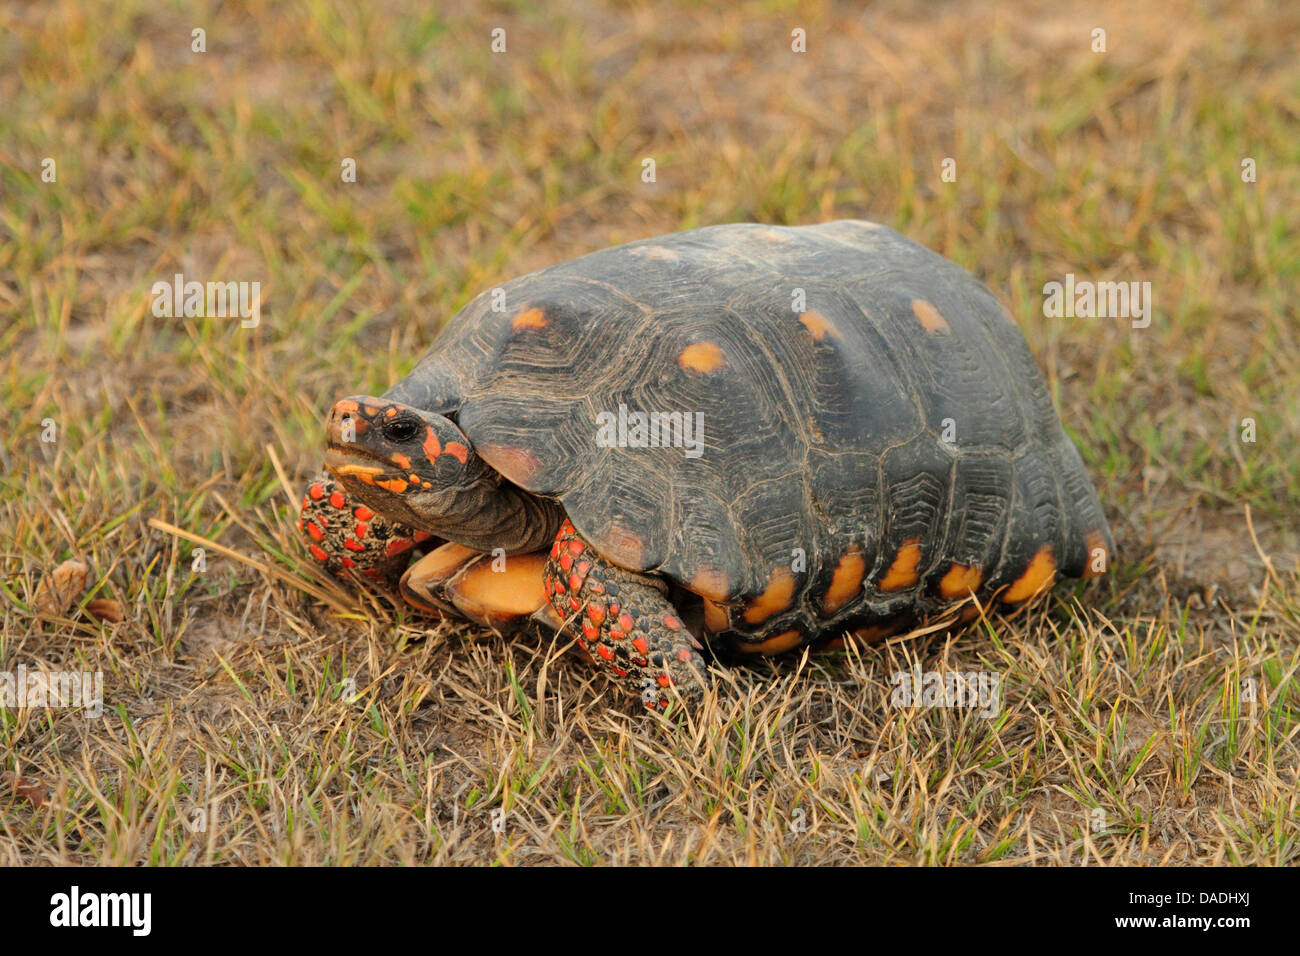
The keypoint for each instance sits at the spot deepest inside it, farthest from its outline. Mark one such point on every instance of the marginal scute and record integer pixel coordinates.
(846, 583)
(864, 636)
(1096, 549)
(902, 573)
(960, 581)
(716, 617)
(776, 597)
(778, 644)
(1038, 576)
(710, 582)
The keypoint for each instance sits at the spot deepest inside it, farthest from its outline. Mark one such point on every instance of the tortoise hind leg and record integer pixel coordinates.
(625, 622)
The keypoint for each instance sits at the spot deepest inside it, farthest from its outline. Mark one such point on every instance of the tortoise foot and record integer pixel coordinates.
(349, 539)
(626, 623)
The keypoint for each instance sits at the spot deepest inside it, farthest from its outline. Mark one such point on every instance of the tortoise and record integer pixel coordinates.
(746, 437)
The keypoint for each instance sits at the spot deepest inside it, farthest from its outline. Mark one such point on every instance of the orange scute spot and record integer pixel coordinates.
(847, 580)
(457, 451)
(401, 461)
(819, 326)
(516, 464)
(702, 357)
(902, 573)
(530, 319)
(931, 319)
(960, 581)
(395, 485)
(656, 253)
(623, 547)
(710, 582)
(1098, 559)
(864, 636)
(776, 597)
(773, 645)
(1038, 576)
(716, 617)
(874, 634)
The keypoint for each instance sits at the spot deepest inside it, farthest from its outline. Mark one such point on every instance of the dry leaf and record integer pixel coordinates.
(60, 589)
(106, 609)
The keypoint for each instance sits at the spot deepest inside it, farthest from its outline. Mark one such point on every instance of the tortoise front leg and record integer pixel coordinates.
(347, 537)
(625, 622)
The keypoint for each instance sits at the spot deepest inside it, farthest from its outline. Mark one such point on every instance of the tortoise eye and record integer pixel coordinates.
(400, 429)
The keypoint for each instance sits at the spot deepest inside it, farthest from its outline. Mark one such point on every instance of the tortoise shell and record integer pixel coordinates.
(870, 436)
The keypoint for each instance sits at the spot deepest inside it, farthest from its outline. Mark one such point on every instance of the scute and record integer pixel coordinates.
(866, 421)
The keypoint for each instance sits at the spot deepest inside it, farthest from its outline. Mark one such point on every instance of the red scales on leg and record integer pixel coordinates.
(625, 622)
(347, 537)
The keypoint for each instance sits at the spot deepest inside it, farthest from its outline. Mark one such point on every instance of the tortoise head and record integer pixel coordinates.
(419, 469)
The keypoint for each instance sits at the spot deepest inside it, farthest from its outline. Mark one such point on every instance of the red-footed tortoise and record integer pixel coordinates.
(754, 437)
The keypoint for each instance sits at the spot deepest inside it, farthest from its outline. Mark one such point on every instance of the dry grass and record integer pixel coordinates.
(316, 726)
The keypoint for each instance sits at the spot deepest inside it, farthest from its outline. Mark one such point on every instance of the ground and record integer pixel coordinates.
(256, 713)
